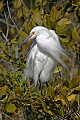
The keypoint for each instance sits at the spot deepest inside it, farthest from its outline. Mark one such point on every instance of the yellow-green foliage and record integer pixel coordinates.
(61, 99)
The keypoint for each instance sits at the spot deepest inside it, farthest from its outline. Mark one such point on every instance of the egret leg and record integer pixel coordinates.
(40, 86)
(47, 84)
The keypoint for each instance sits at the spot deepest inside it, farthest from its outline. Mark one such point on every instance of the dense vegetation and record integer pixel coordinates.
(19, 99)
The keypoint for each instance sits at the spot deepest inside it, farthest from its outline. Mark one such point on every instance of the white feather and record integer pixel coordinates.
(44, 55)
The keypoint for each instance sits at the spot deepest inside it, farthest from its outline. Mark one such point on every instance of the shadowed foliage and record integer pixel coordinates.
(19, 98)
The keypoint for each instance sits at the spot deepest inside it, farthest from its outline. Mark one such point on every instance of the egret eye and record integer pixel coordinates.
(32, 34)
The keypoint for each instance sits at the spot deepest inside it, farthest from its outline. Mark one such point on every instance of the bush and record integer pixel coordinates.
(18, 98)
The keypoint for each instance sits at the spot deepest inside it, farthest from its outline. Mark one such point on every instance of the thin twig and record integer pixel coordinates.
(6, 115)
(11, 17)
(4, 36)
(9, 49)
(3, 21)
(31, 13)
(7, 32)
(0, 116)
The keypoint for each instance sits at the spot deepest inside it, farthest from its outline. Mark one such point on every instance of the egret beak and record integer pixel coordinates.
(24, 41)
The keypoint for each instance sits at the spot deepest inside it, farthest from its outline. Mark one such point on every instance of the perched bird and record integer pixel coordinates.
(44, 55)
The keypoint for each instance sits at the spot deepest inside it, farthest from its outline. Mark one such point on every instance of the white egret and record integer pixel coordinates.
(45, 54)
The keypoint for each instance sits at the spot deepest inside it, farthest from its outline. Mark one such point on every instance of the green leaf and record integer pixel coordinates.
(12, 30)
(64, 38)
(23, 34)
(10, 108)
(26, 26)
(40, 110)
(71, 97)
(19, 13)
(1, 5)
(0, 30)
(64, 91)
(44, 3)
(61, 29)
(50, 91)
(4, 98)
(43, 104)
(18, 91)
(75, 82)
(57, 69)
(17, 4)
(75, 104)
(11, 96)
(76, 90)
(54, 14)
(3, 90)
(49, 112)
(25, 11)
(60, 98)
(63, 21)
(74, 33)
(61, 111)
(14, 40)
(61, 25)
(38, 1)
(37, 16)
(47, 21)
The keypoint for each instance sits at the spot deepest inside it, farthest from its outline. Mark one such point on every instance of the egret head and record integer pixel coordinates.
(35, 32)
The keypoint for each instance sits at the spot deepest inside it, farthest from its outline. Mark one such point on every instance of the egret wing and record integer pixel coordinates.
(53, 49)
(54, 36)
